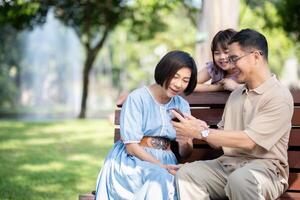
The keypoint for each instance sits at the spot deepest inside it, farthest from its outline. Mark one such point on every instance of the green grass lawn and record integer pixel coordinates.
(51, 160)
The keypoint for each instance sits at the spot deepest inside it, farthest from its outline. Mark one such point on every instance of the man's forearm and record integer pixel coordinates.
(234, 139)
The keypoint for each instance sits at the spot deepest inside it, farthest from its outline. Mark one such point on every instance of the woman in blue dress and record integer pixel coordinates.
(139, 166)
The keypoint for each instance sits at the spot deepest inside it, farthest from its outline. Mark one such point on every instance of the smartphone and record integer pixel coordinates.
(175, 119)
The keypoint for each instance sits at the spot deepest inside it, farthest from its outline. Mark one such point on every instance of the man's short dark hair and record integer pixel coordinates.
(250, 39)
(168, 66)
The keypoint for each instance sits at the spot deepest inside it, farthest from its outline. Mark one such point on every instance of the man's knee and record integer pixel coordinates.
(196, 171)
(241, 181)
(190, 169)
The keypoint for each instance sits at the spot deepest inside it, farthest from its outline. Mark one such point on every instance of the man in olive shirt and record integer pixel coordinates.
(253, 133)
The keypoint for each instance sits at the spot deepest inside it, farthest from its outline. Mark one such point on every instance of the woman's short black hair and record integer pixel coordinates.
(221, 39)
(168, 66)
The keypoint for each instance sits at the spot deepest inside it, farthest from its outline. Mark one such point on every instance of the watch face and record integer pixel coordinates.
(205, 133)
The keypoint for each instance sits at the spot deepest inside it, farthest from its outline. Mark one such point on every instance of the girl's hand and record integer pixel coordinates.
(229, 84)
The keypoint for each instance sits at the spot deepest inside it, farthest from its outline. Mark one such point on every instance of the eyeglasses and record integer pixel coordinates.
(234, 59)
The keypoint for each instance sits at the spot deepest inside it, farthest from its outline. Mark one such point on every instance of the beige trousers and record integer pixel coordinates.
(213, 179)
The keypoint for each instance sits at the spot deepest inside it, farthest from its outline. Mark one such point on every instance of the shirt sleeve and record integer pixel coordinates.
(270, 124)
(221, 123)
(185, 107)
(131, 120)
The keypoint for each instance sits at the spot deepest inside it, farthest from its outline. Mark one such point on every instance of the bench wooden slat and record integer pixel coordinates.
(294, 159)
(117, 117)
(213, 115)
(117, 134)
(294, 137)
(289, 196)
(294, 181)
(209, 115)
(296, 97)
(211, 99)
(86, 197)
(296, 118)
(215, 99)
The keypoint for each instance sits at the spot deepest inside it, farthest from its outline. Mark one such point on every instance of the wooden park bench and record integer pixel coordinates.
(209, 107)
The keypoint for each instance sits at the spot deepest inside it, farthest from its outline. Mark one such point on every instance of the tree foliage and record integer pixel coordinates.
(288, 10)
(133, 61)
(22, 14)
(263, 16)
(93, 21)
(14, 16)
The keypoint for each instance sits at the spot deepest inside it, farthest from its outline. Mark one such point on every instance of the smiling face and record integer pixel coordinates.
(221, 58)
(243, 62)
(179, 82)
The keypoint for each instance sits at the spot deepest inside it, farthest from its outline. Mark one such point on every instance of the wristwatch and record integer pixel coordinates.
(204, 133)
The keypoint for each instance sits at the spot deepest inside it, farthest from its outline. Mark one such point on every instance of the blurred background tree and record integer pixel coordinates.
(275, 18)
(14, 17)
(280, 45)
(288, 12)
(116, 44)
(93, 21)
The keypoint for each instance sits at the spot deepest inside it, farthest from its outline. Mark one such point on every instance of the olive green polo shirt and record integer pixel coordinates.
(264, 114)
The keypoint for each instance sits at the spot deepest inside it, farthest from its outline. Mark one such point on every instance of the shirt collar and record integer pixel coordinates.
(262, 87)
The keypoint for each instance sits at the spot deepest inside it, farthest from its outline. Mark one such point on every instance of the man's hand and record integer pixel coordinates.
(188, 126)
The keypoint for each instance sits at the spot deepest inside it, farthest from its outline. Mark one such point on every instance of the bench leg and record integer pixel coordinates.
(86, 197)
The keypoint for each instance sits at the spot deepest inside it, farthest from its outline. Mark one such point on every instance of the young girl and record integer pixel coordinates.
(139, 166)
(219, 71)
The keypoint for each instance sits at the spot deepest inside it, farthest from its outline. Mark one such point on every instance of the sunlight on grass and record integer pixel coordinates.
(11, 144)
(47, 188)
(52, 160)
(40, 141)
(45, 167)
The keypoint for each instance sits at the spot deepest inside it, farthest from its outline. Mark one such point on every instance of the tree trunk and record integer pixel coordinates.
(91, 54)
(85, 84)
(216, 15)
